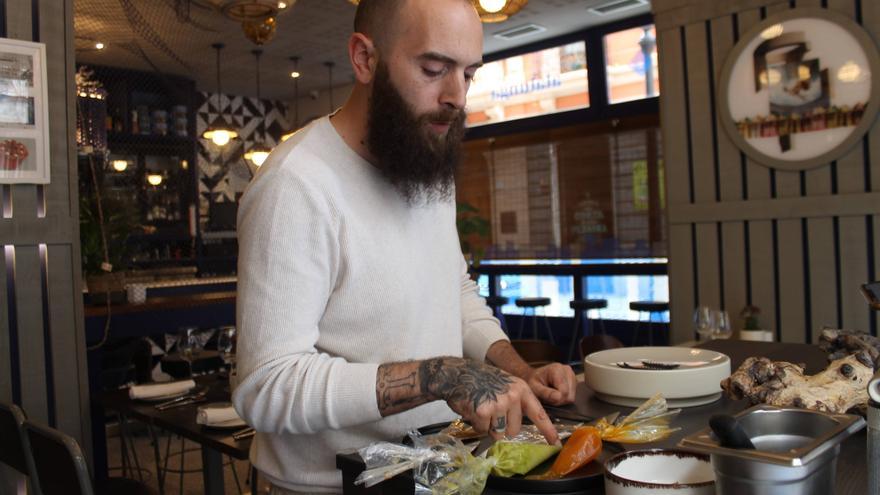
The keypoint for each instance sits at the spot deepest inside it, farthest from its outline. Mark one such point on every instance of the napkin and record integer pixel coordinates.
(216, 415)
(154, 390)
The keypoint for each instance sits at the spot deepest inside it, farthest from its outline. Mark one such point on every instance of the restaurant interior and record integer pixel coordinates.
(666, 174)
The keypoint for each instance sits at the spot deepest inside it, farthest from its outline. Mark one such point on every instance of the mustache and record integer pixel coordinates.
(444, 115)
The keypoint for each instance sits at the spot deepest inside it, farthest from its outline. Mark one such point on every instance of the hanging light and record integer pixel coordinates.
(492, 10)
(154, 179)
(498, 10)
(219, 131)
(120, 165)
(259, 151)
(295, 125)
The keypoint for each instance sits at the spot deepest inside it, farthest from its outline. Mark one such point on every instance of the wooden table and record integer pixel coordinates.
(182, 421)
(851, 468)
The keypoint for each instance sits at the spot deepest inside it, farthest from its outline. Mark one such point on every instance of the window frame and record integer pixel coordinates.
(599, 109)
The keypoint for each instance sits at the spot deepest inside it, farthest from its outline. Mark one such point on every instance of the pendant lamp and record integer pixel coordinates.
(295, 75)
(219, 132)
(491, 10)
(259, 151)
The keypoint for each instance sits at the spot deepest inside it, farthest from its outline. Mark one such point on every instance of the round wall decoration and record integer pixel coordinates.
(798, 90)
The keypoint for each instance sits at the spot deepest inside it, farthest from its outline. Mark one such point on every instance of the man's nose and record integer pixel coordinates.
(454, 91)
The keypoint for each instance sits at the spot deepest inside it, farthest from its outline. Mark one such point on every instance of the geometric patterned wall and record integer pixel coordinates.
(223, 172)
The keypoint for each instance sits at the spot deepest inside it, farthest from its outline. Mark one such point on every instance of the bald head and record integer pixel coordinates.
(379, 20)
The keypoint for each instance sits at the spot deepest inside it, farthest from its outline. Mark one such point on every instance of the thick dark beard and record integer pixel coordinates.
(418, 163)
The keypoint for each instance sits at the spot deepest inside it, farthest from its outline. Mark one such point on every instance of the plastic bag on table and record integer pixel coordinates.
(441, 465)
(648, 423)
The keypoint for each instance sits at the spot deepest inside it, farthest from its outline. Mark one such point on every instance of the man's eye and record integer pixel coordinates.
(431, 73)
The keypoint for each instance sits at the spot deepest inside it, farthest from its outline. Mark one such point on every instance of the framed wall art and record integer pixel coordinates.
(800, 89)
(24, 123)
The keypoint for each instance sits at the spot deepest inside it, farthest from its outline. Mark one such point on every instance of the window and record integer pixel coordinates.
(631, 64)
(537, 83)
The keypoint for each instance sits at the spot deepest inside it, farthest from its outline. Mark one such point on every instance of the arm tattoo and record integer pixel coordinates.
(398, 389)
(460, 380)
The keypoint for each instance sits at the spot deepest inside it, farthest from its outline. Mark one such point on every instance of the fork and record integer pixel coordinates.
(185, 401)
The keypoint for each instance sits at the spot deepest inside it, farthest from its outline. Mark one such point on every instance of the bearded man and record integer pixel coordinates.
(357, 319)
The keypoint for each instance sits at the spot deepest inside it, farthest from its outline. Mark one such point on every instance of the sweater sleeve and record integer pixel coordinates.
(480, 329)
(288, 262)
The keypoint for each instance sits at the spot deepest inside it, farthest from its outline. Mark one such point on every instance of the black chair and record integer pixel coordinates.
(61, 469)
(533, 303)
(583, 307)
(537, 352)
(596, 343)
(15, 451)
(495, 302)
(651, 308)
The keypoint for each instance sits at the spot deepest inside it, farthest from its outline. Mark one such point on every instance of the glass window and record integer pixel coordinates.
(620, 290)
(559, 289)
(537, 83)
(631, 64)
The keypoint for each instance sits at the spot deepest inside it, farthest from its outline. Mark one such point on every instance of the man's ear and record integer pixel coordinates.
(364, 57)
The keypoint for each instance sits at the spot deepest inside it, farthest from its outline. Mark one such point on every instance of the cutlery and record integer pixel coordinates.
(195, 399)
(184, 397)
(646, 365)
(561, 413)
(244, 433)
(484, 445)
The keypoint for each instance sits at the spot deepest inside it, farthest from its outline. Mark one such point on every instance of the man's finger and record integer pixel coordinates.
(514, 420)
(533, 409)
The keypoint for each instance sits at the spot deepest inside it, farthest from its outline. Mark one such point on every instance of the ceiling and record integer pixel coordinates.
(149, 35)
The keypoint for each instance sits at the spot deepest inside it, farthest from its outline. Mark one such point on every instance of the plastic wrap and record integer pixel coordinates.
(648, 423)
(441, 465)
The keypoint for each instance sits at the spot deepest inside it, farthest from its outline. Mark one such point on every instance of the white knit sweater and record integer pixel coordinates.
(336, 275)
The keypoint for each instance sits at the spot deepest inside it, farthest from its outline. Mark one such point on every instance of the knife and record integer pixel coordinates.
(484, 445)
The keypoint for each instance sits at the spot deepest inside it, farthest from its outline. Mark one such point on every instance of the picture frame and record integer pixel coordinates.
(800, 89)
(24, 113)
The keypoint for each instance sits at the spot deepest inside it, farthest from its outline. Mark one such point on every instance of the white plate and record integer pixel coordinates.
(697, 381)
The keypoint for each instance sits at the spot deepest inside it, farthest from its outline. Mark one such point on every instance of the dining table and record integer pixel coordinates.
(851, 463)
(214, 443)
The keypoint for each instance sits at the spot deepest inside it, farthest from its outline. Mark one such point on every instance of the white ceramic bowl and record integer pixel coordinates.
(696, 381)
(659, 472)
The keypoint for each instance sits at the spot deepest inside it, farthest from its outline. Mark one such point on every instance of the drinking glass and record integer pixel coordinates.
(226, 344)
(188, 345)
(722, 326)
(704, 322)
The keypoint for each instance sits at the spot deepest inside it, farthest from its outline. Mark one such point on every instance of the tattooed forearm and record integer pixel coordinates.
(458, 380)
(398, 388)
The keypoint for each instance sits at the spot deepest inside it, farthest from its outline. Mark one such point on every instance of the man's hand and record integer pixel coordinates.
(554, 384)
(488, 398)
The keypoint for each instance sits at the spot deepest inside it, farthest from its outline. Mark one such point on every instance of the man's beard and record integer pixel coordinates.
(417, 162)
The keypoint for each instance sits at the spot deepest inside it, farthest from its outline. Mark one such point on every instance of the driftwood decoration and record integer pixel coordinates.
(839, 388)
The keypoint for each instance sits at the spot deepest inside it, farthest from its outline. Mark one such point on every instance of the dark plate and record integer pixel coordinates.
(589, 476)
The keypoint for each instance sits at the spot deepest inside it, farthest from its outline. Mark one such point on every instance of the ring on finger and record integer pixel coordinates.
(500, 425)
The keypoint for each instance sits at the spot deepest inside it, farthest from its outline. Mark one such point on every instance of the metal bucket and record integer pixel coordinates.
(795, 452)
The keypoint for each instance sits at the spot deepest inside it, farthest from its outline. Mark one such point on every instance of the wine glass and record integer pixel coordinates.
(226, 345)
(187, 345)
(722, 326)
(704, 322)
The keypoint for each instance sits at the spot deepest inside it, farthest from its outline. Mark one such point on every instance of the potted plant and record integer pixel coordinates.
(752, 329)
(473, 232)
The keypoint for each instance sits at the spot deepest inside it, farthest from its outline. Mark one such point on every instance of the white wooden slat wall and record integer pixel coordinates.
(795, 244)
(42, 342)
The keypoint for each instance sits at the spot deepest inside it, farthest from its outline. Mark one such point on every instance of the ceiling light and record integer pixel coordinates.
(120, 165)
(259, 151)
(490, 11)
(99, 45)
(282, 5)
(492, 6)
(219, 131)
(295, 74)
(154, 179)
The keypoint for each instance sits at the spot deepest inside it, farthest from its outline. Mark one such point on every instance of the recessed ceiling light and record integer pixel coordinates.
(99, 45)
(295, 74)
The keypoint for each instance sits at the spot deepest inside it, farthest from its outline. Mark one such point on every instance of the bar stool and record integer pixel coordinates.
(583, 307)
(651, 308)
(495, 302)
(533, 303)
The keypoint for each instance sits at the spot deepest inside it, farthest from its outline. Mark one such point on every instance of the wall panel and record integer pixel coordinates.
(795, 244)
(42, 345)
